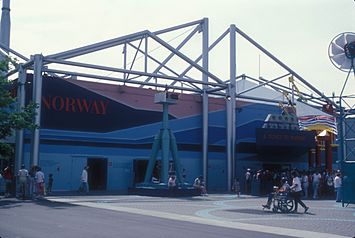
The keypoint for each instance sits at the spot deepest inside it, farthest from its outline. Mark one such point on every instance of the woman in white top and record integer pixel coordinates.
(297, 192)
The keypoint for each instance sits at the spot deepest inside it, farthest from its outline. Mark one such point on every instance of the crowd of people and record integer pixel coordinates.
(31, 184)
(314, 184)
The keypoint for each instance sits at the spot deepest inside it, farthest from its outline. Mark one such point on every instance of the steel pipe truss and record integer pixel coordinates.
(150, 60)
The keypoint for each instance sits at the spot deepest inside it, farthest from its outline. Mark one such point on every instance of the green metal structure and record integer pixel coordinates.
(165, 142)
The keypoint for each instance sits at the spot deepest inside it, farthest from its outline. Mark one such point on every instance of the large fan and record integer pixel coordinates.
(342, 51)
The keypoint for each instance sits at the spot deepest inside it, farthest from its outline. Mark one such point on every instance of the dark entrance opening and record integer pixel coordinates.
(140, 168)
(97, 174)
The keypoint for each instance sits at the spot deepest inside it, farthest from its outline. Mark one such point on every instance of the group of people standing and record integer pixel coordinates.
(31, 184)
(314, 184)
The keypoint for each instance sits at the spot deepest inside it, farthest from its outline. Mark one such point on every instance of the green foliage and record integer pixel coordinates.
(10, 118)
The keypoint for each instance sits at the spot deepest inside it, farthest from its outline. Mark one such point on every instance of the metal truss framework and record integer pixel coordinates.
(159, 72)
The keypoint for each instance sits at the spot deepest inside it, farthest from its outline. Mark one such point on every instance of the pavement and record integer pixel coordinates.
(325, 218)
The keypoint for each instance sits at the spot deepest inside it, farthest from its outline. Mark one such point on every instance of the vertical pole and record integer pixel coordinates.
(232, 94)
(124, 59)
(341, 132)
(328, 154)
(318, 158)
(229, 138)
(146, 54)
(5, 23)
(37, 94)
(21, 103)
(165, 145)
(205, 101)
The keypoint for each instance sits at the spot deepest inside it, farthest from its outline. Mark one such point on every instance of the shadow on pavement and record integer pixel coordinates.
(13, 202)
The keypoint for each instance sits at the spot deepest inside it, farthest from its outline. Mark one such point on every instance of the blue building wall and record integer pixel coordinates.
(64, 151)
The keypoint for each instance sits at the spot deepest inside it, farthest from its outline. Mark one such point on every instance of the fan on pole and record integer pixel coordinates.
(342, 51)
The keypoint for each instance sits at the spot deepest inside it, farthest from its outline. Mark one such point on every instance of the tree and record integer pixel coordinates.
(10, 118)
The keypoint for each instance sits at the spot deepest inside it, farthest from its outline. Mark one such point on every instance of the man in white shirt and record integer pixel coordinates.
(337, 186)
(297, 192)
(84, 187)
(315, 184)
(23, 181)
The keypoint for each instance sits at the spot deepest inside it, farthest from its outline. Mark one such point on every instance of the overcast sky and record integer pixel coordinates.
(297, 32)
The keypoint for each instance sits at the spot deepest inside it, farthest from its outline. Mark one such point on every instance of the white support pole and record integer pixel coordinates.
(229, 137)
(124, 60)
(37, 94)
(205, 100)
(231, 117)
(21, 103)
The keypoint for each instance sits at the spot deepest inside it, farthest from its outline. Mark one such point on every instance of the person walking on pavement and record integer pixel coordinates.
(297, 192)
(337, 186)
(84, 187)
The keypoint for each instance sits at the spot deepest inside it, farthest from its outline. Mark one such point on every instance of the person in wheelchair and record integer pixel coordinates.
(285, 187)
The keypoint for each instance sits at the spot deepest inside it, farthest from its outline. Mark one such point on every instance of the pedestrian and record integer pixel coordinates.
(200, 185)
(248, 178)
(305, 184)
(50, 184)
(236, 187)
(84, 186)
(316, 177)
(23, 181)
(8, 176)
(296, 189)
(32, 182)
(39, 180)
(337, 186)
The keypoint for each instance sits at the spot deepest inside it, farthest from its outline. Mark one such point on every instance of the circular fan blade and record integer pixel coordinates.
(339, 59)
(346, 65)
(350, 37)
(340, 41)
(341, 51)
(336, 49)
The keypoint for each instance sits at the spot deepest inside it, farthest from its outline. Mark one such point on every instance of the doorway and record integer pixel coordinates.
(97, 174)
(140, 169)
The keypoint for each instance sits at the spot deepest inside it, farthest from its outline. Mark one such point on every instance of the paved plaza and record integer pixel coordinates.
(325, 218)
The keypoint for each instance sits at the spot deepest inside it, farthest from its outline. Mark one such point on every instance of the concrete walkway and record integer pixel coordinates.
(325, 218)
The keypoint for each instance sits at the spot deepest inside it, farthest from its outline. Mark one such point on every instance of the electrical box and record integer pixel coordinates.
(166, 97)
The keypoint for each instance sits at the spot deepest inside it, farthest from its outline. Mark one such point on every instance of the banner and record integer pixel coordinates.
(318, 123)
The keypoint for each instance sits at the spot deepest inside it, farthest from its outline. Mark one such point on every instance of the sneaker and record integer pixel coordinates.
(266, 206)
(306, 209)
